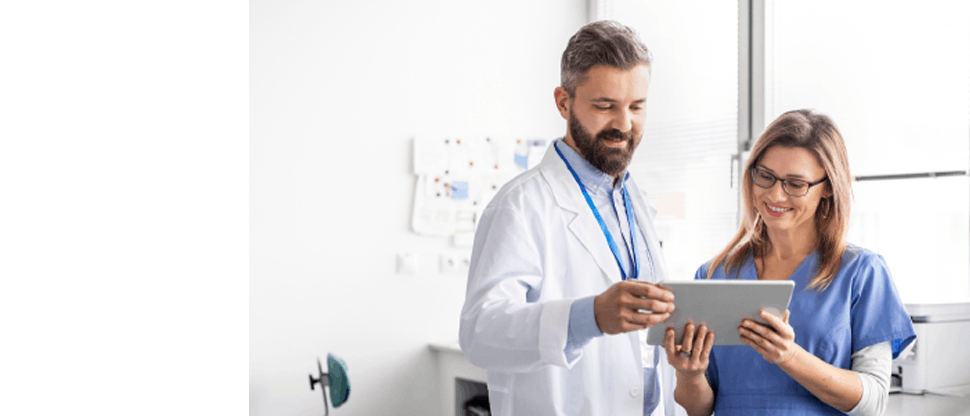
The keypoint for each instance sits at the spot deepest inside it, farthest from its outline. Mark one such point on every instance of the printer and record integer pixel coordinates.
(939, 361)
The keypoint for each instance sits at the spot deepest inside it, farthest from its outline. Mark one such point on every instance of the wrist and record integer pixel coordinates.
(691, 379)
(596, 313)
(786, 362)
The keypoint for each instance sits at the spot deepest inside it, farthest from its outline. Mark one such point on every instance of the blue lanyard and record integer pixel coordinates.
(609, 237)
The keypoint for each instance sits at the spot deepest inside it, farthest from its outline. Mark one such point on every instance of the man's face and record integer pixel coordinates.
(606, 116)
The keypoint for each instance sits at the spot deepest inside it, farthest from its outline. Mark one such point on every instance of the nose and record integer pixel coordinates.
(777, 191)
(623, 121)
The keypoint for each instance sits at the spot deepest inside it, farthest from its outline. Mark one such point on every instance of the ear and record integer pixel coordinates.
(562, 102)
(828, 190)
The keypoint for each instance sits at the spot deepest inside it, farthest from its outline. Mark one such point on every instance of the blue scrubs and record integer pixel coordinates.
(860, 308)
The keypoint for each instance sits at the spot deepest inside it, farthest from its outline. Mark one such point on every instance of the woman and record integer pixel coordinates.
(832, 350)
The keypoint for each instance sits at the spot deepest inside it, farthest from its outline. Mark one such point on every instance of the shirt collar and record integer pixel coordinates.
(593, 179)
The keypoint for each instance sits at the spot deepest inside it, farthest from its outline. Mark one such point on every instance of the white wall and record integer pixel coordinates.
(895, 119)
(337, 90)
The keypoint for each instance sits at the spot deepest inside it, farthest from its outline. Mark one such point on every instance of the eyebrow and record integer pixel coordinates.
(793, 176)
(610, 100)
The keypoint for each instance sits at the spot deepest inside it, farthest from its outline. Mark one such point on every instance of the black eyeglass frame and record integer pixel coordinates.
(784, 182)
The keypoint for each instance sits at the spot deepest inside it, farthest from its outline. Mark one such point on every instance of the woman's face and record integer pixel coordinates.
(781, 211)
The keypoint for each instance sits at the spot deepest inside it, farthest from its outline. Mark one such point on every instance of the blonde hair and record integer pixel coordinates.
(818, 134)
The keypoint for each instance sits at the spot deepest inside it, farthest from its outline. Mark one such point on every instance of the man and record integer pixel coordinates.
(561, 282)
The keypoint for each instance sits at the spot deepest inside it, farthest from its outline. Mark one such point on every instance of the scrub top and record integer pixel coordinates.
(860, 308)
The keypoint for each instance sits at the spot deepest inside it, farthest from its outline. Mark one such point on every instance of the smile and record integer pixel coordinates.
(615, 142)
(779, 209)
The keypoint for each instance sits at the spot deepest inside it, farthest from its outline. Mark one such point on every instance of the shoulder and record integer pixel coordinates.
(518, 191)
(863, 267)
(523, 199)
(856, 259)
(701, 273)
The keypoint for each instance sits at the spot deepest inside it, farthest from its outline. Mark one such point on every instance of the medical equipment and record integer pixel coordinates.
(938, 362)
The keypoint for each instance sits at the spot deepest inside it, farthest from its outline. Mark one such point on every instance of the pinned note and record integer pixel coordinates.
(457, 176)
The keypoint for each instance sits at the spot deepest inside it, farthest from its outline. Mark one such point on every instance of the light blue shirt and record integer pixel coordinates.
(608, 199)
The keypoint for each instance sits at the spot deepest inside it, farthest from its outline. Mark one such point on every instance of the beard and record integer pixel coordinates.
(608, 160)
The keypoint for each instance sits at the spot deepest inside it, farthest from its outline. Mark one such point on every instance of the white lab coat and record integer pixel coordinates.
(538, 248)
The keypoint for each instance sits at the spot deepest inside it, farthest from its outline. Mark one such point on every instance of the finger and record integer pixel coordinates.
(754, 345)
(772, 319)
(670, 347)
(652, 305)
(787, 314)
(780, 325)
(708, 344)
(752, 337)
(760, 340)
(771, 332)
(756, 327)
(698, 346)
(773, 338)
(651, 291)
(669, 342)
(687, 343)
(646, 320)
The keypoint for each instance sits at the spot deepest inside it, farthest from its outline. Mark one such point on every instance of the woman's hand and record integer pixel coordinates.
(690, 359)
(775, 342)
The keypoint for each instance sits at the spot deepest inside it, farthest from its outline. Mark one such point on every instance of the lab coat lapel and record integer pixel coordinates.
(645, 216)
(583, 225)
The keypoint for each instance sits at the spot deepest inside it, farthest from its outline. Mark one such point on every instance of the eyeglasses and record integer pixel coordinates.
(793, 187)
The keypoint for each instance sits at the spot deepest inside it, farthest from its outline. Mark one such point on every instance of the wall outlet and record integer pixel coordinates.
(454, 264)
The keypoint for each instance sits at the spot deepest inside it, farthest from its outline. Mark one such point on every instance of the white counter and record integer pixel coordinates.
(901, 404)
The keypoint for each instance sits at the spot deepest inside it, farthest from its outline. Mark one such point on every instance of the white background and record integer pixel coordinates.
(338, 90)
(896, 80)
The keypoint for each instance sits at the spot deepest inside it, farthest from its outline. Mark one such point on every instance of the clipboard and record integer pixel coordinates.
(721, 304)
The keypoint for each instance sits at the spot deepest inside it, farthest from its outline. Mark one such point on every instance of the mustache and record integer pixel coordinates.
(614, 134)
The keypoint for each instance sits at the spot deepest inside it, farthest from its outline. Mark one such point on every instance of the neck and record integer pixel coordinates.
(787, 244)
(572, 145)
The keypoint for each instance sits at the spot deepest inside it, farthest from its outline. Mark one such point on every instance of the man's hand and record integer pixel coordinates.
(618, 308)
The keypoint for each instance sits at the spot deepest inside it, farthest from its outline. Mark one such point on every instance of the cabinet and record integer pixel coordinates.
(458, 379)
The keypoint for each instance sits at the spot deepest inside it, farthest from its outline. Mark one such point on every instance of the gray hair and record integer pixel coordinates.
(605, 42)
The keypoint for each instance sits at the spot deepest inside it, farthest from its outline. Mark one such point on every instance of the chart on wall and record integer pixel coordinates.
(456, 177)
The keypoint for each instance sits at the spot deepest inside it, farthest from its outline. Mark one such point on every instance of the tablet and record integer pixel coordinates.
(721, 304)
